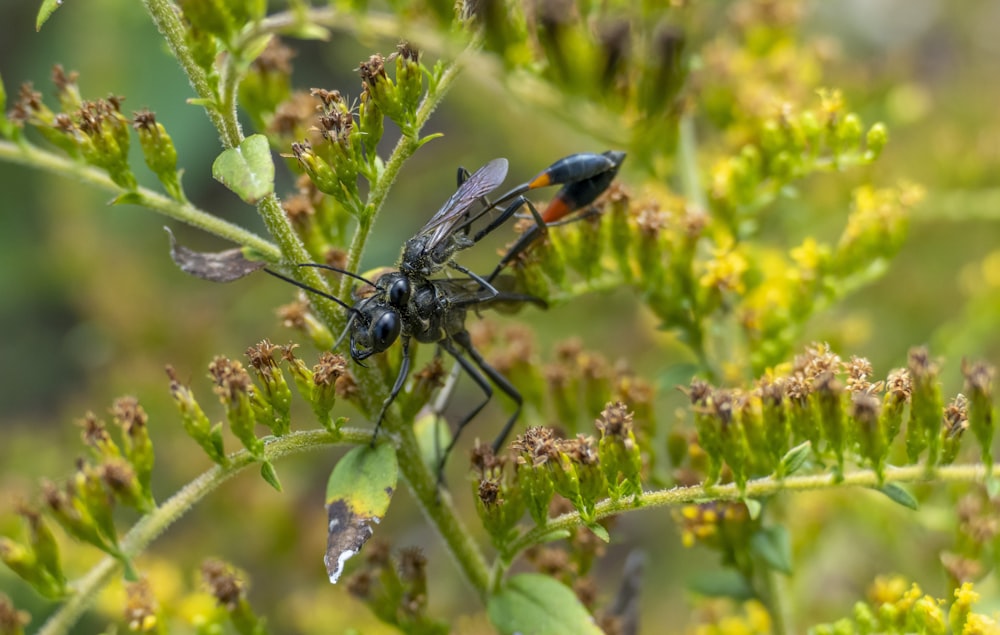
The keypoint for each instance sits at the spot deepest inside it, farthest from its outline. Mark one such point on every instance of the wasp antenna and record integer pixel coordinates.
(322, 294)
(338, 270)
(343, 334)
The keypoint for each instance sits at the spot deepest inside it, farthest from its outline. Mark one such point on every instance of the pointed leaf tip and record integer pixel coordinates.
(45, 11)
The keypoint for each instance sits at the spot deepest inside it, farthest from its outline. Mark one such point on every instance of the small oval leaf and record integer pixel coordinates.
(357, 496)
(773, 546)
(535, 603)
(600, 531)
(725, 583)
(899, 494)
(794, 459)
(247, 170)
(45, 11)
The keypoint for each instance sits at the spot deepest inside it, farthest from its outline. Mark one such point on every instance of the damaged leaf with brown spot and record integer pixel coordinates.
(357, 496)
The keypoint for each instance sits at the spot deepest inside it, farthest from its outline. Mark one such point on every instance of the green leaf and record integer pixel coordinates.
(535, 603)
(127, 198)
(47, 9)
(247, 170)
(599, 531)
(552, 536)
(357, 496)
(754, 507)
(774, 547)
(677, 375)
(270, 475)
(899, 494)
(724, 583)
(794, 459)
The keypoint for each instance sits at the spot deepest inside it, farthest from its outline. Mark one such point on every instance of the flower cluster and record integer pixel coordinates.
(837, 408)
(96, 132)
(894, 607)
(395, 588)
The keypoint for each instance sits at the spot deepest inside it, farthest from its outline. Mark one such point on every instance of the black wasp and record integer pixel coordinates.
(409, 304)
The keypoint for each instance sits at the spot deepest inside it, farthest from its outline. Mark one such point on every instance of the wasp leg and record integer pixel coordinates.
(483, 384)
(404, 371)
(532, 234)
(500, 381)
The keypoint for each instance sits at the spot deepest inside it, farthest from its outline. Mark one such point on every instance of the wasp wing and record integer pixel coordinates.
(467, 292)
(479, 184)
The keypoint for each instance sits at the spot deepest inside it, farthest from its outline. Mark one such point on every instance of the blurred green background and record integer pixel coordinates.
(91, 307)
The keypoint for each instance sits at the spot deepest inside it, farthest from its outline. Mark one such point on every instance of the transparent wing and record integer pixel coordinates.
(479, 184)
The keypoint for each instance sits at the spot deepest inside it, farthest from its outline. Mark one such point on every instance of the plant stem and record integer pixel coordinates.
(759, 488)
(437, 507)
(32, 156)
(169, 23)
(157, 521)
(404, 149)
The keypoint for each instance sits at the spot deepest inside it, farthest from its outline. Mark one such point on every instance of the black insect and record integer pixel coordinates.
(409, 304)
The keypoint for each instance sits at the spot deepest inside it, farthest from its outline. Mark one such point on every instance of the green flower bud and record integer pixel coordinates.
(96, 437)
(319, 171)
(119, 478)
(45, 551)
(923, 427)
(22, 562)
(67, 89)
(708, 428)
(956, 421)
(159, 152)
(137, 444)
(619, 230)
(874, 447)
(774, 418)
(409, 78)
(235, 389)
(384, 92)
(619, 453)
(979, 386)
(324, 394)
(828, 393)
(534, 450)
(370, 122)
(897, 395)
(865, 619)
(92, 500)
(849, 130)
(275, 392)
(731, 436)
(578, 475)
(72, 517)
(106, 139)
(929, 617)
(875, 140)
(500, 511)
(958, 614)
(196, 424)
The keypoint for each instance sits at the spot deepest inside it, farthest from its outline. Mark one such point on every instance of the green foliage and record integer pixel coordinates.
(724, 134)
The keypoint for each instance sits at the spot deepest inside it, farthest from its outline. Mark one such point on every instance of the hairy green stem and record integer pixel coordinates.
(758, 488)
(169, 23)
(439, 511)
(156, 522)
(32, 156)
(404, 149)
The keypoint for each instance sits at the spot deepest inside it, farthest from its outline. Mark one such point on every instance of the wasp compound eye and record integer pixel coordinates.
(385, 330)
(399, 292)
